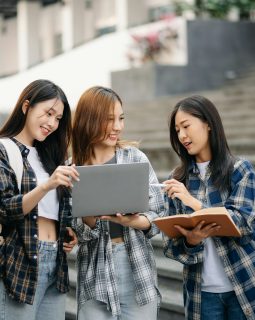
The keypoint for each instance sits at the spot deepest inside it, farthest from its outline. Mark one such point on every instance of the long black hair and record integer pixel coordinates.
(53, 150)
(221, 164)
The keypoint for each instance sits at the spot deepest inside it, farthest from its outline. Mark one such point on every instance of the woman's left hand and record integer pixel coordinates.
(68, 246)
(134, 220)
(176, 189)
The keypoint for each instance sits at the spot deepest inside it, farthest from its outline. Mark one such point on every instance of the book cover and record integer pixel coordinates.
(218, 215)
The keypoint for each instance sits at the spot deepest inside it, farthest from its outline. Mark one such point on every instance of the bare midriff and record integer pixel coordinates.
(47, 230)
(118, 240)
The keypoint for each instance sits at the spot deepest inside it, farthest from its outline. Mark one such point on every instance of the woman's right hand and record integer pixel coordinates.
(62, 176)
(176, 189)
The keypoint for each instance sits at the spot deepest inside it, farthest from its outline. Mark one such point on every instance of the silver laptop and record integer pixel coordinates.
(111, 188)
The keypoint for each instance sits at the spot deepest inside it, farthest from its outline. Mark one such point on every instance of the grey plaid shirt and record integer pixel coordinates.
(96, 278)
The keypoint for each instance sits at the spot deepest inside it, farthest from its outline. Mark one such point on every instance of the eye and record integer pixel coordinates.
(122, 118)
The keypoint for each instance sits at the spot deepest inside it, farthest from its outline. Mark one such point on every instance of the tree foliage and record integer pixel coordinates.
(217, 8)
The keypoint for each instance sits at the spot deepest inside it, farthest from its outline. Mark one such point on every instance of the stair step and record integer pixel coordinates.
(169, 268)
(171, 300)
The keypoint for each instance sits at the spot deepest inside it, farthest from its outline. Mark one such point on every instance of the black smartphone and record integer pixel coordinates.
(67, 237)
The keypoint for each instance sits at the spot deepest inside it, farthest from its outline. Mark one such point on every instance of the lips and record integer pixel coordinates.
(113, 136)
(45, 131)
(187, 144)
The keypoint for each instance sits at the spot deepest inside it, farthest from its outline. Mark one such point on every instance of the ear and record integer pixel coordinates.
(25, 106)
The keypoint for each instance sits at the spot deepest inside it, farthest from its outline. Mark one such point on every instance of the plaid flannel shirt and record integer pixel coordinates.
(19, 251)
(236, 254)
(96, 278)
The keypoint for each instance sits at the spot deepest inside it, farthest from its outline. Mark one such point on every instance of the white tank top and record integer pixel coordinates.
(48, 206)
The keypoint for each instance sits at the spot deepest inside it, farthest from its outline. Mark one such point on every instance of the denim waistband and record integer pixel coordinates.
(48, 245)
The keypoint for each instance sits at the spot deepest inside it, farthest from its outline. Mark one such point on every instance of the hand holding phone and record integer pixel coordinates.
(70, 240)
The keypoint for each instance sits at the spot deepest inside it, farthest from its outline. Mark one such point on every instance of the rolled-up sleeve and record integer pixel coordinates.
(156, 200)
(176, 248)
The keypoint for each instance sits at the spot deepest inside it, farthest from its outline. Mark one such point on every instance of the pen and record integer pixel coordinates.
(159, 185)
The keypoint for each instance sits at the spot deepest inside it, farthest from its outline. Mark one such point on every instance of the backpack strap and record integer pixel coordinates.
(15, 158)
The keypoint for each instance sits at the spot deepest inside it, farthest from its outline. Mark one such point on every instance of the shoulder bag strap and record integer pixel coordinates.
(15, 158)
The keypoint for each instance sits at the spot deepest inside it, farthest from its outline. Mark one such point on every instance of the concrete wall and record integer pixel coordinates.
(217, 50)
(8, 46)
(224, 45)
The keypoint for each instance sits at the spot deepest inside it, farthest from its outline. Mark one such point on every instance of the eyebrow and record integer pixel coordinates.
(182, 122)
(112, 114)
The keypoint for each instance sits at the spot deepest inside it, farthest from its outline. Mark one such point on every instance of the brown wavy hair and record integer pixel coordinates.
(90, 122)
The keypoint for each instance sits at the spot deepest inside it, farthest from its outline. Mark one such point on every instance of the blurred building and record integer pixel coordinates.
(33, 31)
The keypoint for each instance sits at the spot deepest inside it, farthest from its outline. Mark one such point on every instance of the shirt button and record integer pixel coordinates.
(33, 179)
(34, 217)
(35, 257)
(35, 235)
(107, 233)
(54, 245)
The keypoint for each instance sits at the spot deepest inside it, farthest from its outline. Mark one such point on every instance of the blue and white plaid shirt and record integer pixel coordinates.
(237, 254)
(96, 278)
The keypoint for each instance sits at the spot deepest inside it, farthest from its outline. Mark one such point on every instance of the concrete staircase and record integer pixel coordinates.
(170, 284)
(147, 122)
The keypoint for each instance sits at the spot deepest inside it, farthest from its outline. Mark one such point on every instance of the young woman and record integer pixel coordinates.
(219, 273)
(116, 268)
(33, 267)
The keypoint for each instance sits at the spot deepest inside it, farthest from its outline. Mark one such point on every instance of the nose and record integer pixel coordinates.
(117, 125)
(52, 122)
(182, 134)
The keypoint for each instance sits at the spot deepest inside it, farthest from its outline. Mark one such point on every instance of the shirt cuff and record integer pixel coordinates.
(193, 249)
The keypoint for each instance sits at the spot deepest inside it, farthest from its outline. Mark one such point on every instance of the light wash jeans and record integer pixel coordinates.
(130, 310)
(49, 303)
(221, 306)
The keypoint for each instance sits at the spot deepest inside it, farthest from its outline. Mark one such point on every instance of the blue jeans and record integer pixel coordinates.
(49, 303)
(130, 310)
(221, 306)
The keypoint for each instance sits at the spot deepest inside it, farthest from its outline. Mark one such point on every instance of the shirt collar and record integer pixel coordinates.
(193, 167)
(23, 149)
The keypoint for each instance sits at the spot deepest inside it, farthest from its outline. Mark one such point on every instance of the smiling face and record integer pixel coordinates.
(193, 134)
(115, 125)
(42, 119)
